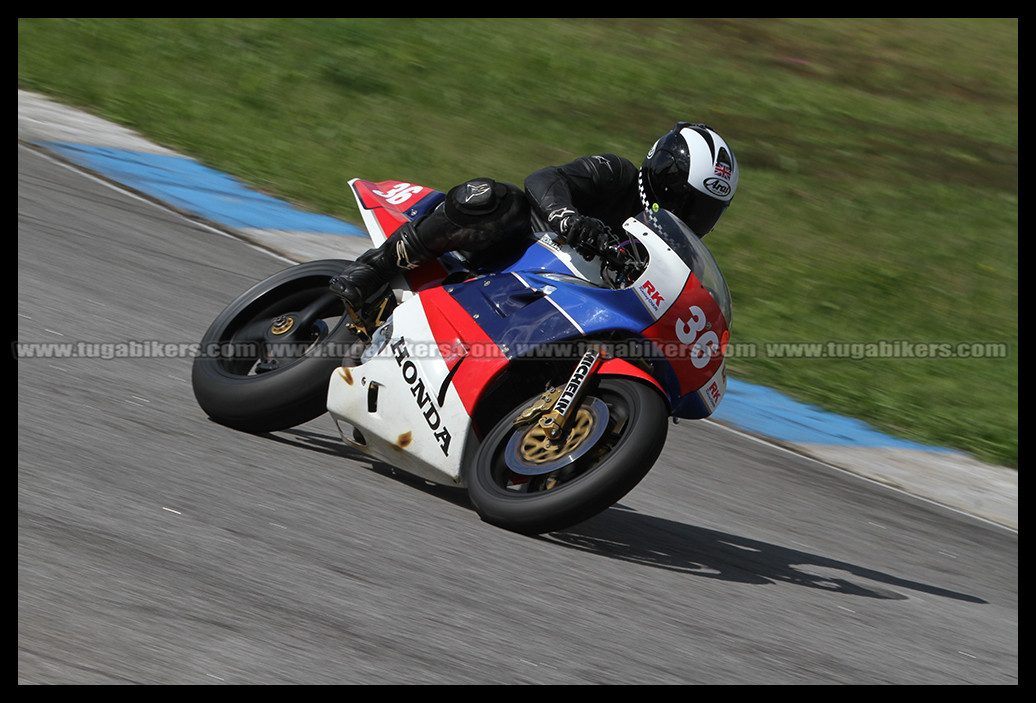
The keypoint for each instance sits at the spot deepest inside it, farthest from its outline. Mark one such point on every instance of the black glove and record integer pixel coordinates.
(587, 235)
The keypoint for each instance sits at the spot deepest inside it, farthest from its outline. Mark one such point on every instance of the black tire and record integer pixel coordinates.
(292, 389)
(618, 460)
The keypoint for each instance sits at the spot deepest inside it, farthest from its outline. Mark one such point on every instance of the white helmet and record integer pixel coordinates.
(691, 172)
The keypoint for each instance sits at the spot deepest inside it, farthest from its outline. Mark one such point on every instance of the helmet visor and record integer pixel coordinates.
(698, 211)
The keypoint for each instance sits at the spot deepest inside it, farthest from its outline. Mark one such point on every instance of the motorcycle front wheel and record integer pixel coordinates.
(612, 442)
(265, 362)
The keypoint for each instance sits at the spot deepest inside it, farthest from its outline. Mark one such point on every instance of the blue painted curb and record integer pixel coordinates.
(188, 185)
(764, 411)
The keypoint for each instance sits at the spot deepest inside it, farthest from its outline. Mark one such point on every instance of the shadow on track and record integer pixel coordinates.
(331, 444)
(627, 535)
(621, 533)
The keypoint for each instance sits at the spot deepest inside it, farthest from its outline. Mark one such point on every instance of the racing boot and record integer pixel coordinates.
(365, 279)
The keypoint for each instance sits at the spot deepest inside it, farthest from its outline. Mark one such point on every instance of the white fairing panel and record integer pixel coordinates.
(397, 401)
(659, 285)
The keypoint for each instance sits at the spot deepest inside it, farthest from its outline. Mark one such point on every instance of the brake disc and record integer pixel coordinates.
(532, 452)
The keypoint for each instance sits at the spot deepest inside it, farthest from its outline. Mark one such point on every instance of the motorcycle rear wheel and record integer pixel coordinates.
(602, 474)
(265, 362)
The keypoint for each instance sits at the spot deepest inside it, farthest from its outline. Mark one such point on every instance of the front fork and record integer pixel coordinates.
(554, 406)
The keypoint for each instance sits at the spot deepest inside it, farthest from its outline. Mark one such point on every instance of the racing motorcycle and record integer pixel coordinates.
(539, 381)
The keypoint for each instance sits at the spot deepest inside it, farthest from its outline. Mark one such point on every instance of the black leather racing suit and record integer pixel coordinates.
(603, 186)
(483, 216)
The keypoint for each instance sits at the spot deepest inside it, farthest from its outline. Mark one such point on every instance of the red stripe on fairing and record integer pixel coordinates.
(390, 221)
(426, 275)
(454, 331)
(620, 367)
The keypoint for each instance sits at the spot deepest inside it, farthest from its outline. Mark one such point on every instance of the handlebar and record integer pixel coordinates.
(622, 260)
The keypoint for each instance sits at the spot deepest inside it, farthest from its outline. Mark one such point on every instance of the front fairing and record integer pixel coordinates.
(692, 320)
(672, 320)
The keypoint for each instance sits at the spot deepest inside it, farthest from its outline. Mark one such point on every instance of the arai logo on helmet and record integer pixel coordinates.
(717, 186)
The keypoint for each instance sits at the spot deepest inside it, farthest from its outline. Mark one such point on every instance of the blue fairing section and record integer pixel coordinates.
(515, 317)
(426, 204)
(691, 406)
(513, 308)
(536, 257)
(595, 310)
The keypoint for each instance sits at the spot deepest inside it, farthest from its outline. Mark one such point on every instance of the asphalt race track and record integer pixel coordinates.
(156, 547)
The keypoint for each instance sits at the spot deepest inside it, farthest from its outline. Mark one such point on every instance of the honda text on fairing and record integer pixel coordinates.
(539, 381)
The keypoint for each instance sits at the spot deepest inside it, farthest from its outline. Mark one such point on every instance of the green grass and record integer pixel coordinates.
(879, 184)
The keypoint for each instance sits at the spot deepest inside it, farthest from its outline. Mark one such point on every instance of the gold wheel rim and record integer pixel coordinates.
(537, 447)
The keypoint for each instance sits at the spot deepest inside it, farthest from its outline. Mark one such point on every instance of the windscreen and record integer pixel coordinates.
(694, 253)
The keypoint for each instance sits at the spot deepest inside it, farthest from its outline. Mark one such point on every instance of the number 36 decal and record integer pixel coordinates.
(399, 193)
(703, 348)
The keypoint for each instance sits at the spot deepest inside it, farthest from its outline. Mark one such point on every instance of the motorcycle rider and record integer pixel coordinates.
(690, 171)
